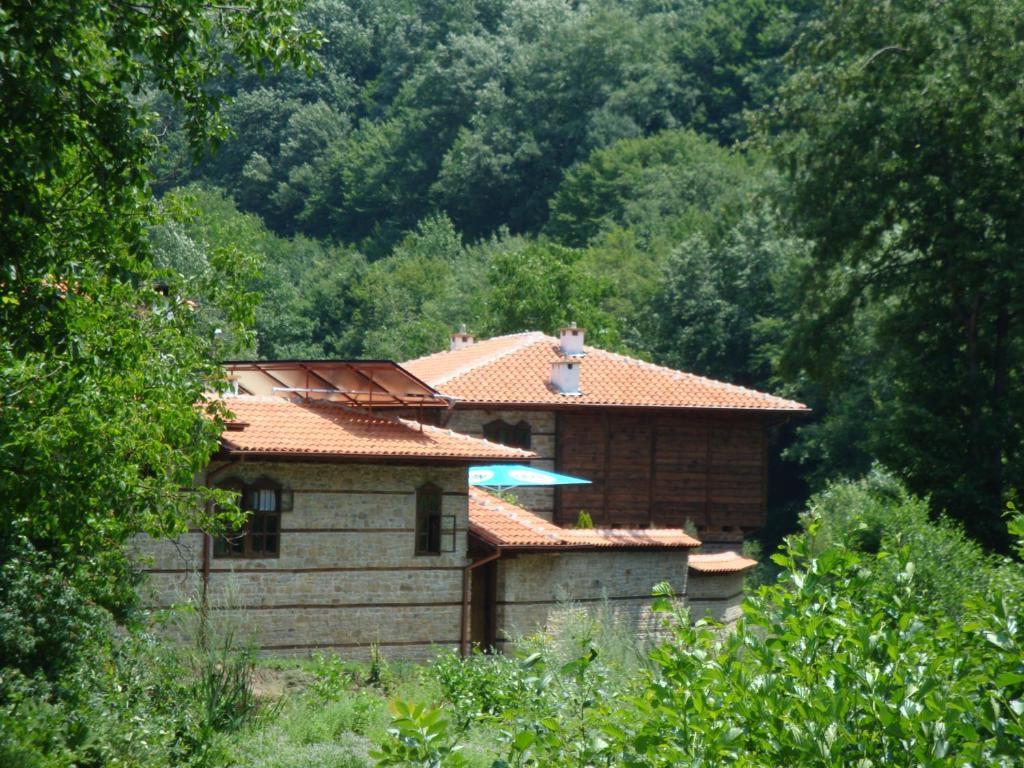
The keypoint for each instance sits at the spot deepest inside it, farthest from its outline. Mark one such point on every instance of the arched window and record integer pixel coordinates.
(512, 435)
(435, 532)
(260, 537)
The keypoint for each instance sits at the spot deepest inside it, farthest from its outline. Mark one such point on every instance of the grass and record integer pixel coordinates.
(324, 712)
(327, 712)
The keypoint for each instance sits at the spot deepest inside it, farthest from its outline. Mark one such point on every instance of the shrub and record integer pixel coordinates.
(122, 698)
(46, 625)
(835, 665)
(878, 514)
(481, 683)
(845, 660)
(584, 520)
(379, 672)
(332, 677)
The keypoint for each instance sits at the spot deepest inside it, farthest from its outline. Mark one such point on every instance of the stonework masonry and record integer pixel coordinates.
(717, 595)
(347, 575)
(533, 588)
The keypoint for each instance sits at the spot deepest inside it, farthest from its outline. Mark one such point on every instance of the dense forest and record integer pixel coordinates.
(820, 199)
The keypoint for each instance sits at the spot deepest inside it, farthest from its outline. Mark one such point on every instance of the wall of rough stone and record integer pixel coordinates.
(717, 595)
(542, 442)
(533, 589)
(347, 575)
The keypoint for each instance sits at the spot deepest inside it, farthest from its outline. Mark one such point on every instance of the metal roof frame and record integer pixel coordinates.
(382, 383)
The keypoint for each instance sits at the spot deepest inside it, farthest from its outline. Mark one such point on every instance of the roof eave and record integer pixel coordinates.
(535, 405)
(225, 453)
(496, 542)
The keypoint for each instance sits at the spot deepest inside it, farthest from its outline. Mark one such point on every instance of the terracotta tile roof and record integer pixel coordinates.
(274, 425)
(516, 369)
(508, 526)
(720, 562)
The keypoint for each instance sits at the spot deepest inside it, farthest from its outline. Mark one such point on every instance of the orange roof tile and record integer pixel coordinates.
(516, 369)
(508, 526)
(720, 562)
(274, 425)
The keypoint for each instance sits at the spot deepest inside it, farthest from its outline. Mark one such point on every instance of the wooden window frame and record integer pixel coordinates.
(430, 530)
(513, 435)
(261, 525)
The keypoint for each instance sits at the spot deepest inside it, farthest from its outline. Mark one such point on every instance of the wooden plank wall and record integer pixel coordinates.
(662, 469)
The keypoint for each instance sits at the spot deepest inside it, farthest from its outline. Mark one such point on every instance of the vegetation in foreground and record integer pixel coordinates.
(887, 640)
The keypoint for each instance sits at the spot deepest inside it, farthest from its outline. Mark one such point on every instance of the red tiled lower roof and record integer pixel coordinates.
(720, 562)
(267, 425)
(516, 370)
(508, 526)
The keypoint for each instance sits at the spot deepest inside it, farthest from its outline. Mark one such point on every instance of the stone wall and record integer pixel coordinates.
(347, 575)
(717, 595)
(541, 501)
(532, 588)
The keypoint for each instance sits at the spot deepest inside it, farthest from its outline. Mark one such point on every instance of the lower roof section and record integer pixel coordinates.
(279, 427)
(720, 562)
(509, 527)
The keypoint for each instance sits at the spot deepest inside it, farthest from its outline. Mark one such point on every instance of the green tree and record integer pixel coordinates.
(104, 369)
(900, 133)
(731, 54)
(301, 287)
(720, 291)
(634, 204)
(541, 287)
(409, 302)
(662, 186)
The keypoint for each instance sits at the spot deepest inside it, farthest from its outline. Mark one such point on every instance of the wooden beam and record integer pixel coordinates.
(653, 463)
(558, 505)
(607, 463)
(707, 476)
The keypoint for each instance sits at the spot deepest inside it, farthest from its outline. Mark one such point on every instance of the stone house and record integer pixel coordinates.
(663, 448)
(363, 529)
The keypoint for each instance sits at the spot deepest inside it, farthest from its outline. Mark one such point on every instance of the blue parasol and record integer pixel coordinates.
(514, 475)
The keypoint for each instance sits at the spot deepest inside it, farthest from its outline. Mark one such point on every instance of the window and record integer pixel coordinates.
(512, 435)
(435, 533)
(261, 534)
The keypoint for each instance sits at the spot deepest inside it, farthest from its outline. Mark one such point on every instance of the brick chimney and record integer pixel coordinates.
(565, 376)
(461, 339)
(572, 340)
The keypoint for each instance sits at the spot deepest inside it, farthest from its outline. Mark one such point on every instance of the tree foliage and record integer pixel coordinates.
(104, 365)
(900, 131)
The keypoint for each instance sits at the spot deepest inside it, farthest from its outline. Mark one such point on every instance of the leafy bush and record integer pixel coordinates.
(845, 661)
(837, 665)
(878, 514)
(481, 683)
(584, 520)
(420, 735)
(379, 673)
(45, 623)
(332, 676)
(120, 698)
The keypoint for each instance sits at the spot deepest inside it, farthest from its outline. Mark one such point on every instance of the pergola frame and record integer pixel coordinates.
(366, 384)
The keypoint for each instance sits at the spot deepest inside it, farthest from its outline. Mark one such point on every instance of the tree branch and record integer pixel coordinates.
(880, 51)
